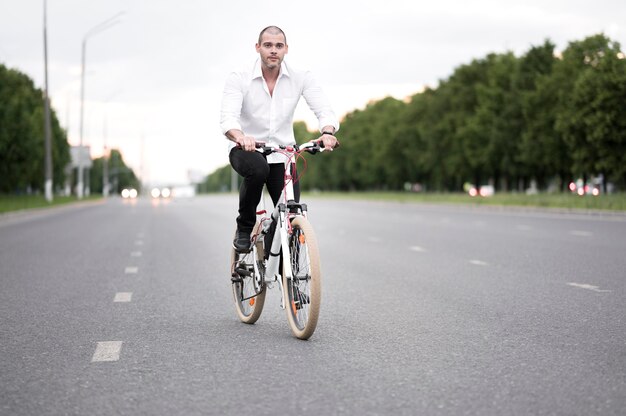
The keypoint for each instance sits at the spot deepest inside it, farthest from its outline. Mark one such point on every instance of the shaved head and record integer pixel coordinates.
(273, 30)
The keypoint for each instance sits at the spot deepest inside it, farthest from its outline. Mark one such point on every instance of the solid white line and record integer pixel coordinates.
(478, 263)
(123, 297)
(131, 270)
(417, 248)
(581, 233)
(587, 286)
(135, 253)
(107, 351)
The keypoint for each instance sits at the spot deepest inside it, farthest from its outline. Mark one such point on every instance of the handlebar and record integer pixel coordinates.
(310, 147)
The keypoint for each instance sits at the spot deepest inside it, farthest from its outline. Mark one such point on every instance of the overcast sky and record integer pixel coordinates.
(157, 75)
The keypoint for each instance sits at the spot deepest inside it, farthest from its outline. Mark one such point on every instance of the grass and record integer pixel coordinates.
(613, 202)
(10, 203)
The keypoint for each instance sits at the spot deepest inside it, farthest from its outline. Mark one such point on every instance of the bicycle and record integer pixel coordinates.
(284, 240)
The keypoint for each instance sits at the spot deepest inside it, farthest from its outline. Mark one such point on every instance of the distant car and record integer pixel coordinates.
(484, 191)
(161, 193)
(129, 193)
(581, 188)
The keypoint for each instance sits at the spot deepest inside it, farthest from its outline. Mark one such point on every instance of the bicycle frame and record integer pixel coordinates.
(268, 272)
(284, 250)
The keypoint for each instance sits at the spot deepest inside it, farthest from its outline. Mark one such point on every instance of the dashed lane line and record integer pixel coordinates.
(139, 243)
(580, 233)
(478, 263)
(135, 253)
(587, 287)
(131, 270)
(123, 297)
(107, 351)
(417, 248)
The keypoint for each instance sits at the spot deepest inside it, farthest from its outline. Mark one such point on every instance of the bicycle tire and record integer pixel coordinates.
(303, 292)
(248, 306)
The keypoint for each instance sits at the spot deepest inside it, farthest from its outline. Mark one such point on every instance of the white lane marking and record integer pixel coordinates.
(373, 239)
(580, 233)
(107, 351)
(131, 270)
(139, 243)
(135, 253)
(417, 248)
(123, 297)
(478, 262)
(587, 286)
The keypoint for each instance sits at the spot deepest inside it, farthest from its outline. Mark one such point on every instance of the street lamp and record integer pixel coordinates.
(93, 31)
(105, 160)
(47, 129)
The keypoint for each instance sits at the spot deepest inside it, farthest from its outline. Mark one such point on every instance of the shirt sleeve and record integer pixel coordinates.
(232, 100)
(318, 103)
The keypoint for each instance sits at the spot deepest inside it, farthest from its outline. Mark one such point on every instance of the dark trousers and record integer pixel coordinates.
(256, 172)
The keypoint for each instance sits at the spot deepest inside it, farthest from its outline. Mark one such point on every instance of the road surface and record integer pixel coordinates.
(125, 308)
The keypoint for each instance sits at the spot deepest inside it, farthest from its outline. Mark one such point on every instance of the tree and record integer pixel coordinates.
(581, 61)
(22, 138)
(598, 107)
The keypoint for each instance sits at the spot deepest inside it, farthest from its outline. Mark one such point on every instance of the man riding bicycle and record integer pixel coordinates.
(258, 104)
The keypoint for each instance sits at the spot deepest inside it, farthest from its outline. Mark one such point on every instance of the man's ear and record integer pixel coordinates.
(257, 47)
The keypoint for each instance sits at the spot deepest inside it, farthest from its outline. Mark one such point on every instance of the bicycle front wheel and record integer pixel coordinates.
(303, 292)
(249, 298)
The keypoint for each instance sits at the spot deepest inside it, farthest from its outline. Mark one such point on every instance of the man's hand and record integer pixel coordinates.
(247, 143)
(329, 141)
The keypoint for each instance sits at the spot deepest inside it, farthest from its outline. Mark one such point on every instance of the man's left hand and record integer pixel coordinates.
(329, 141)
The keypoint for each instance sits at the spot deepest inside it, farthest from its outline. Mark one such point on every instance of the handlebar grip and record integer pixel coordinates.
(321, 144)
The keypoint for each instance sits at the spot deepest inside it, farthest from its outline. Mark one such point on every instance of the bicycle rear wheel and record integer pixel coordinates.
(303, 292)
(249, 299)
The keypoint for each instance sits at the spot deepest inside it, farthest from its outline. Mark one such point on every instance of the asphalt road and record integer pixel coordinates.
(125, 308)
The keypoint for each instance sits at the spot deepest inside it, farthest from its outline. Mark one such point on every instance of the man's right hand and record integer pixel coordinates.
(247, 143)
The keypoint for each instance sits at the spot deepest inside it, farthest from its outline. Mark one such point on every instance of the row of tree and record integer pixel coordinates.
(508, 120)
(22, 142)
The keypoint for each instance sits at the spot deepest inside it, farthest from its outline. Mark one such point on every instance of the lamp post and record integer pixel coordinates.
(105, 157)
(47, 129)
(93, 31)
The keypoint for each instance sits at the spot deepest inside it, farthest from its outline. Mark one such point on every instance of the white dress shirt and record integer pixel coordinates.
(248, 106)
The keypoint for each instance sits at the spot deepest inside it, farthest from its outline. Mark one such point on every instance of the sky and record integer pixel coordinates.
(154, 79)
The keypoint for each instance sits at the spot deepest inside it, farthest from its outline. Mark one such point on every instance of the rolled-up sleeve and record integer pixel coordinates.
(232, 99)
(318, 103)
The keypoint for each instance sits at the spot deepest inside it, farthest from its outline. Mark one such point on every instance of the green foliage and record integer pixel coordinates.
(22, 135)
(503, 120)
(120, 175)
(218, 181)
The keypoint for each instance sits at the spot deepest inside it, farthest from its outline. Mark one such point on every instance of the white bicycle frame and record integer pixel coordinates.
(269, 274)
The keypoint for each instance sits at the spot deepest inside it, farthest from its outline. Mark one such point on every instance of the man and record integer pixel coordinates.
(258, 106)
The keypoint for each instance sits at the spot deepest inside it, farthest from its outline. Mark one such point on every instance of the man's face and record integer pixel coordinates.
(272, 50)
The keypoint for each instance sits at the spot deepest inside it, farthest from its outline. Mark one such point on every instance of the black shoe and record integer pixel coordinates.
(241, 243)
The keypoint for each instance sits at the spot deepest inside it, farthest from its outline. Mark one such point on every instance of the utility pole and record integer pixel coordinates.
(105, 161)
(95, 30)
(47, 128)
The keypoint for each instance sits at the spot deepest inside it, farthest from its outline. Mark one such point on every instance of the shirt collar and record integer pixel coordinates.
(256, 72)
